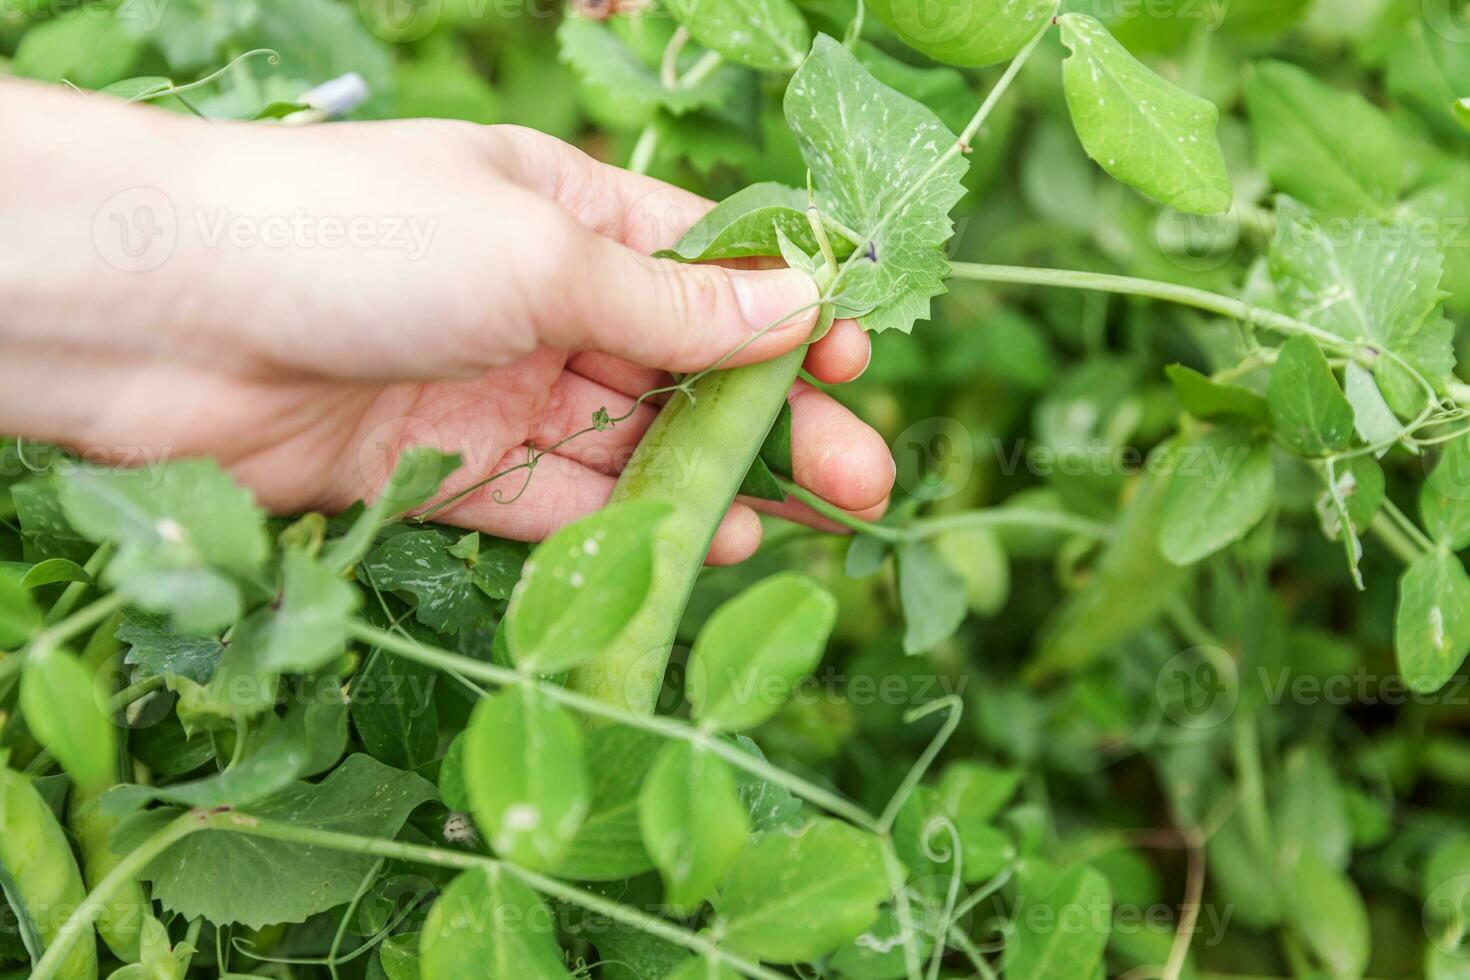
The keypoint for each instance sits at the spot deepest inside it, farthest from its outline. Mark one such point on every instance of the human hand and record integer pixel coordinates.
(303, 304)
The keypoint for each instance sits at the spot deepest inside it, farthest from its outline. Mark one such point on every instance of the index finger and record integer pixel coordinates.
(639, 211)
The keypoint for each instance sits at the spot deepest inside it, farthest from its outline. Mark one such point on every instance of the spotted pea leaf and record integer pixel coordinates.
(766, 34)
(606, 62)
(448, 591)
(875, 157)
(1365, 280)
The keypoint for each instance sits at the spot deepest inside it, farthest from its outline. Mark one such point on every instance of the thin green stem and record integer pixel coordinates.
(701, 70)
(410, 649)
(1394, 539)
(74, 591)
(930, 527)
(135, 692)
(243, 823)
(77, 623)
(644, 150)
(1199, 299)
(1409, 527)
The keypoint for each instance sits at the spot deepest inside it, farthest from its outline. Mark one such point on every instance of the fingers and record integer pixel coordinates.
(842, 355)
(799, 513)
(605, 297)
(562, 490)
(640, 212)
(835, 454)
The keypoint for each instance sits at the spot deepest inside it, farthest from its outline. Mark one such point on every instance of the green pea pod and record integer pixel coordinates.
(694, 458)
(38, 859)
(121, 922)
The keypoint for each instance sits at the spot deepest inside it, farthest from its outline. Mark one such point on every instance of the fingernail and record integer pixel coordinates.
(775, 299)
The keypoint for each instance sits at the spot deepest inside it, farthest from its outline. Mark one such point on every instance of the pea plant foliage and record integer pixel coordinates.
(976, 738)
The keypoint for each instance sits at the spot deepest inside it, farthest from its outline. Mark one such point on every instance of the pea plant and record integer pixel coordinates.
(990, 735)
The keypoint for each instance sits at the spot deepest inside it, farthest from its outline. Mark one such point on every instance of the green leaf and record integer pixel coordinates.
(1066, 940)
(693, 823)
(44, 529)
(185, 533)
(933, 595)
(745, 224)
(1205, 398)
(768, 804)
(1432, 623)
(88, 50)
(270, 881)
(1328, 913)
(1141, 129)
(1330, 148)
(608, 64)
(871, 149)
(1349, 504)
(487, 924)
(526, 776)
(977, 790)
(53, 571)
(1310, 812)
(766, 34)
(394, 712)
(1364, 280)
(1426, 69)
(976, 555)
(308, 628)
(450, 596)
(20, 617)
(969, 33)
(761, 483)
(57, 697)
(1372, 417)
(1311, 413)
(582, 586)
(416, 477)
(158, 651)
(695, 968)
(1130, 585)
(1220, 487)
(755, 647)
(1444, 499)
(307, 741)
(799, 894)
(399, 956)
(609, 843)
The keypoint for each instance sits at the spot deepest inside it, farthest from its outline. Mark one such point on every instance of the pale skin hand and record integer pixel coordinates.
(495, 291)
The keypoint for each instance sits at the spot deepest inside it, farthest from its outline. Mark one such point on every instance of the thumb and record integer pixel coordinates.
(661, 314)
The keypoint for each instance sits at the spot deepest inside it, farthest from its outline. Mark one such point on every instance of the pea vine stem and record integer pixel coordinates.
(410, 649)
(230, 821)
(1199, 299)
(969, 520)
